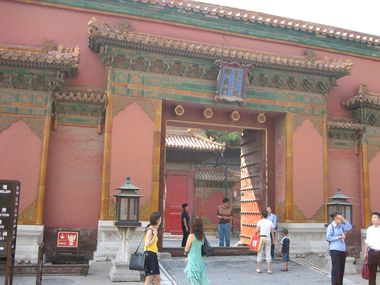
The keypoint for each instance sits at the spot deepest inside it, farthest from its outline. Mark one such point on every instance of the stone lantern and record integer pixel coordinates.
(127, 205)
(339, 203)
(127, 220)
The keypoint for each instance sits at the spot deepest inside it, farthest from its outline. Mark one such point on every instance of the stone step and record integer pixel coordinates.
(52, 269)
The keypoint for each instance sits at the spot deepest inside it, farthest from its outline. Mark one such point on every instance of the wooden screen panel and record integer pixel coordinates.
(252, 181)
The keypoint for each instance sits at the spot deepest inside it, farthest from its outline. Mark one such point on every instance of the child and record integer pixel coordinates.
(285, 242)
(152, 269)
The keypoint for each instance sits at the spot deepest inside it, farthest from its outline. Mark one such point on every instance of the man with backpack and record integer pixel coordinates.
(335, 235)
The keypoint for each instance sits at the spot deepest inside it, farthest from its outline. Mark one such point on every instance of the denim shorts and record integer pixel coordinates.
(285, 257)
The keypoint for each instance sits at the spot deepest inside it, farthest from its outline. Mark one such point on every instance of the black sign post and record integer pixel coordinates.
(9, 204)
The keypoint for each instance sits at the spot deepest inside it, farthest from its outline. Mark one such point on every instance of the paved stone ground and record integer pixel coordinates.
(222, 270)
(98, 279)
(241, 270)
(175, 241)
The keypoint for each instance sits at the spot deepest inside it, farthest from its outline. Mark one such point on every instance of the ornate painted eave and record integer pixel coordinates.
(79, 106)
(364, 98)
(344, 125)
(344, 134)
(227, 20)
(265, 20)
(95, 96)
(103, 34)
(365, 106)
(61, 59)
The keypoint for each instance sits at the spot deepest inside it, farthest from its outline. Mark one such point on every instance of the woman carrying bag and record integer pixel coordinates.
(195, 269)
(152, 268)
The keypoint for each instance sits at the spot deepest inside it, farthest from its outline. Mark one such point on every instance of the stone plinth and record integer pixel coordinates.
(305, 239)
(350, 267)
(120, 272)
(120, 266)
(363, 233)
(109, 240)
(29, 237)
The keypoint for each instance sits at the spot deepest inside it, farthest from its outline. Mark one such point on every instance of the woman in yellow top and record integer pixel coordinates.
(152, 268)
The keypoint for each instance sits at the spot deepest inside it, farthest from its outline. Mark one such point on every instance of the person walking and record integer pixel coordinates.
(273, 218)
(195, 269)
(335, 235)
(265, 230)
(285, 246)
(185, 224)
(224, 214)
(152, 268)
(372, 247)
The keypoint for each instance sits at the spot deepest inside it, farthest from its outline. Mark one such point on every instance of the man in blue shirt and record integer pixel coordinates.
(335, 235)
(273, 218)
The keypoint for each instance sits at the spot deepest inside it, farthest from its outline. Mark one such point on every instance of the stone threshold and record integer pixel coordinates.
(52, 269)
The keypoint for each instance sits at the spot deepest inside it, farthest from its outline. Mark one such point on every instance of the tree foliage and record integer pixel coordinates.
(229, 138)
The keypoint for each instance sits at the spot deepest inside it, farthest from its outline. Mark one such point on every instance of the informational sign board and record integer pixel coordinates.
(9, 204)
(67, 249)
(67, 239)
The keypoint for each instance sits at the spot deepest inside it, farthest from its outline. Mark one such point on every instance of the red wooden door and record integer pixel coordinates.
(253, 185)
(178, 190)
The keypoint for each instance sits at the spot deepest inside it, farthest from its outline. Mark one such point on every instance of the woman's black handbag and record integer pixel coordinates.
(206, 248)
(138, 259)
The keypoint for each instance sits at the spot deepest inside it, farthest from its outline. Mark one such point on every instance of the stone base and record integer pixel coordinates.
(120, 272)
(109, 243)
(363, 233)
(29, 237)
(99, 266)
(350, 267)
(308, 243)
(306, 239)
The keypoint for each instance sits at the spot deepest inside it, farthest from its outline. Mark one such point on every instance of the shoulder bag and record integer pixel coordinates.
(206, 248)
(365, 269)
(255, 243)
(138, 259)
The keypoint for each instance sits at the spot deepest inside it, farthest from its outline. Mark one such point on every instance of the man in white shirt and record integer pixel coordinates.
(265, 229)
(372, 247)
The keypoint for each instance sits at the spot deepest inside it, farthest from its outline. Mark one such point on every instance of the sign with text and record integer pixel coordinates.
(9, 204)
(232, 82)
(9, 201)
(67, 239)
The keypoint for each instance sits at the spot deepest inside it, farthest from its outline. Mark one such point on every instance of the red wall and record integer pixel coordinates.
(20, 155)
(132, 150)
(308, 169)
(344, 173)
(31, 24)
(374, 183)
(27, 24)
(74, 178)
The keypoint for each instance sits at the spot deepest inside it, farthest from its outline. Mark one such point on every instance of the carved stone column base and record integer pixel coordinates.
(363, 237)
(109, 242)
(350, 268)
(305, 239)
(29, 237)
(120, 272)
